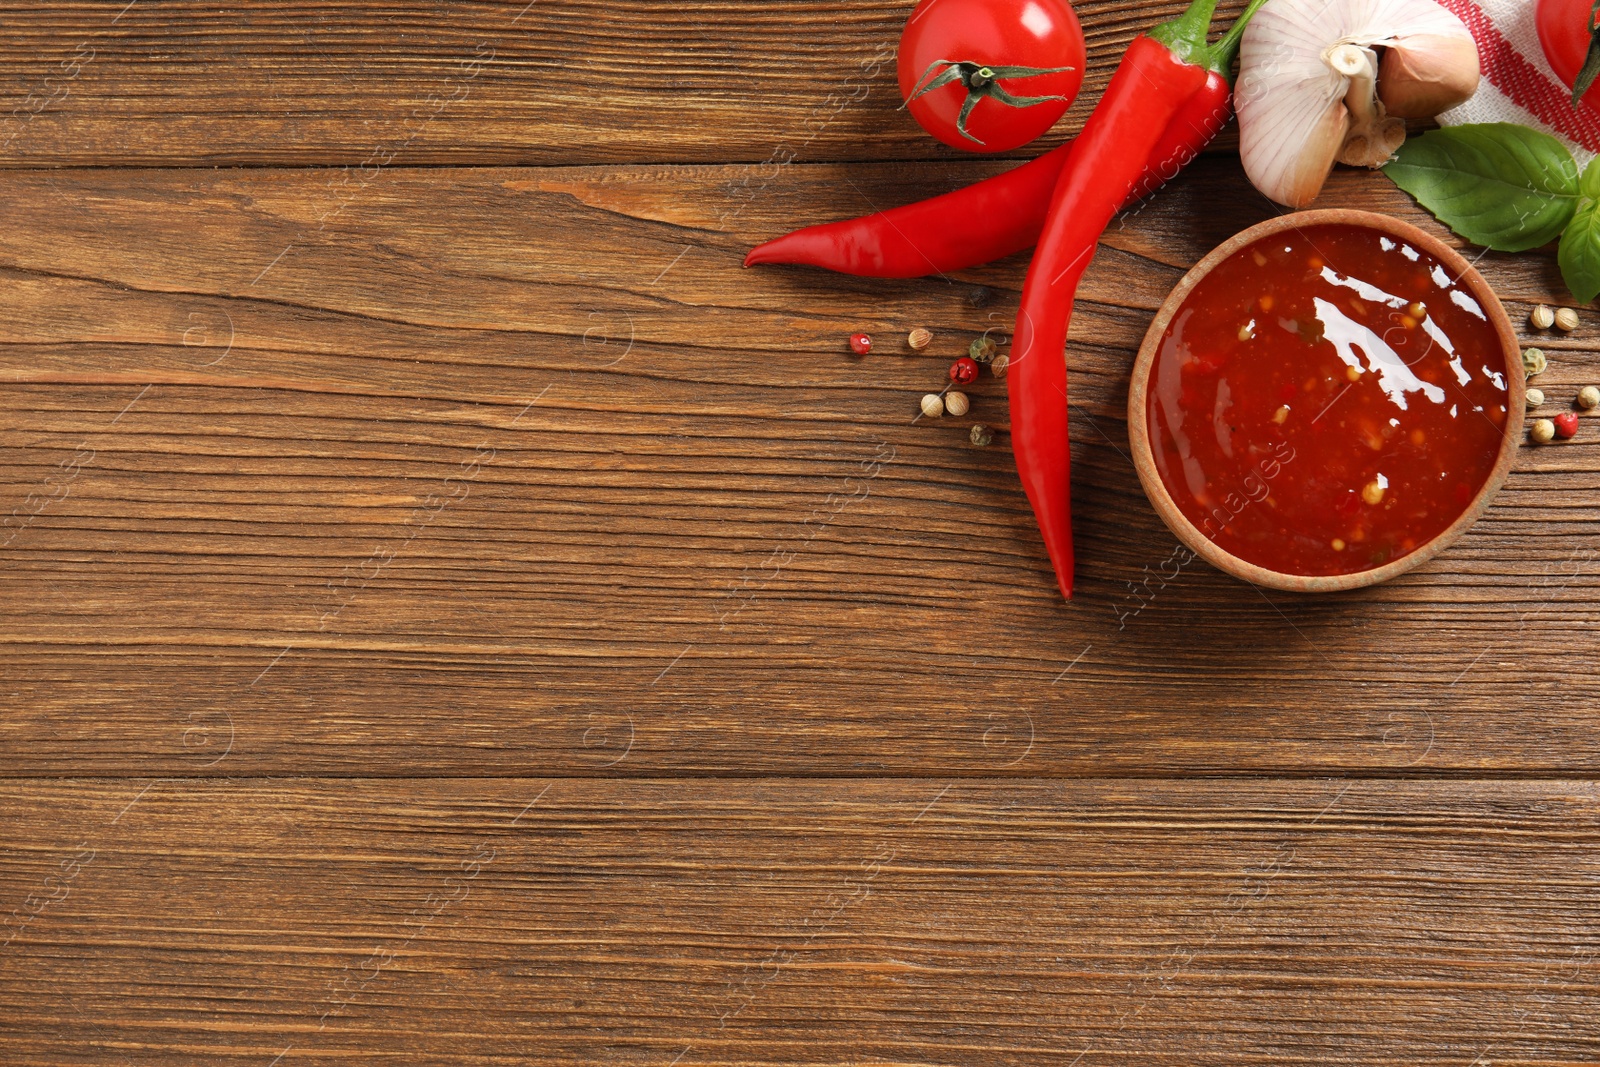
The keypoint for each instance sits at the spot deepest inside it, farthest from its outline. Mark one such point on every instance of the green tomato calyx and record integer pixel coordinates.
(980, 81)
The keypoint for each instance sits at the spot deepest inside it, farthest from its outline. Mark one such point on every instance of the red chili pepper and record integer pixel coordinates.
(1161, 71)
(998, 216)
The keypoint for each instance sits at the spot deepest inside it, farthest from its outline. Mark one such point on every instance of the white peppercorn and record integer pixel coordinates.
(1535, 398)
(1001, 363)
(1541, 317)
(919, 338)
(932, 405)
(956, 403)
(1543, 431)
(1589, 398)
(1566, 319)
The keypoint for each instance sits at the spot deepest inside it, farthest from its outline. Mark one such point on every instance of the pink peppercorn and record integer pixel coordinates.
(860, 343)
(1566, 423)
(964, 371)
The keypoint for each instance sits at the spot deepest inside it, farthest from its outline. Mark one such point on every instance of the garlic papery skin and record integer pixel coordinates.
(1422, 76)
(1311, 85)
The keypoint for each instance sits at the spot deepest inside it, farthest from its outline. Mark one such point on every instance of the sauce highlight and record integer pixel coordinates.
(1327, 400)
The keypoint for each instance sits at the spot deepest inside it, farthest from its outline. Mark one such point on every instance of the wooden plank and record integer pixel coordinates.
(499, 472)
(804, 922)
(365, 85)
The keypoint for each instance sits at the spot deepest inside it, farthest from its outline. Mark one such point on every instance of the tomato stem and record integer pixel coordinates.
(980, 81)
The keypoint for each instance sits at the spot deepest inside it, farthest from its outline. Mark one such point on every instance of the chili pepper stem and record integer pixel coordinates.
(1226, 49)
(1185, 36)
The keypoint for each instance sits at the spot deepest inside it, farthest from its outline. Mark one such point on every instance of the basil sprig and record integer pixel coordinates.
(1509, 188)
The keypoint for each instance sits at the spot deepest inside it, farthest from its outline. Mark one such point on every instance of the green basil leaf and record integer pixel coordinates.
(1589, 184)
(1497, 184)
(1580, 252)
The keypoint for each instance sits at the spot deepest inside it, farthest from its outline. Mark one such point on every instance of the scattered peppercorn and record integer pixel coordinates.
(979, 295)
(1566, 423)
(1001, 364)
(1543, 431)
(956, 403)
(932, 405)
(919, 338)
(964, 371)
(1566, 319)
(860, 343)
(1589, 398)
(982, 349)
(1535, 398)
(1541, 318)
(981, 435)
(1533, 361)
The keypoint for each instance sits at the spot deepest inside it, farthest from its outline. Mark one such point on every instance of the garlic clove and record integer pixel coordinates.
(1424, 74)
(1288, 157)
(1291, 119)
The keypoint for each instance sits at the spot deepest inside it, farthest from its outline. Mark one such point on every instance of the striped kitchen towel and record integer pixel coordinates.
(1518, 84)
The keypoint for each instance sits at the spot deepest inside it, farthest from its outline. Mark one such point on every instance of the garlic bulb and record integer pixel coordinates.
(1326, 80)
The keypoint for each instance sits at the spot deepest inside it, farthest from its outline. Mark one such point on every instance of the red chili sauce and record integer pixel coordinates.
(1327, 400)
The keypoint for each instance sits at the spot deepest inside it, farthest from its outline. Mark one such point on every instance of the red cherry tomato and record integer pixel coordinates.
(1564, 35)
(990, 75)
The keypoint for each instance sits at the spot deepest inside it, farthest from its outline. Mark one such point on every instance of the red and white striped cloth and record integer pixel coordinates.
(1518, 84)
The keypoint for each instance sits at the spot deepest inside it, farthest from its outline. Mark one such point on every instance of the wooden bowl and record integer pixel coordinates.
(1203, 546)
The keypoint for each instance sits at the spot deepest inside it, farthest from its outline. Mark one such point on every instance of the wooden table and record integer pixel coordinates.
(454, 614)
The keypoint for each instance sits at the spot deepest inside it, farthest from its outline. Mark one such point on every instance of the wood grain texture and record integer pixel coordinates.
(550, 82)
(795, 922)
(515, 471)
(454, 614)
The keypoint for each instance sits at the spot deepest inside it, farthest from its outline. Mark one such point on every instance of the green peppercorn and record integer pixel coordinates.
(983, 349)
(1533, 361)
(981, 435)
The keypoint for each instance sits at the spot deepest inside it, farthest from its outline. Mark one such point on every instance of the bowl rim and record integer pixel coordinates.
(1138, 391)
